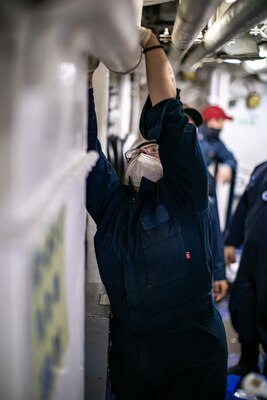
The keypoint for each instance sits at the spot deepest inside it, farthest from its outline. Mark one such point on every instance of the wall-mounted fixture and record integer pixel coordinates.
(253, 100)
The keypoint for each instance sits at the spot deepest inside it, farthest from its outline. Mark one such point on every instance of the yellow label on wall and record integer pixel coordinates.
(49, 311)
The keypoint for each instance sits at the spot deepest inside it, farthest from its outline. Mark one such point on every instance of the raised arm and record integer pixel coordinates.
(160, 78)
(103, 181)
(164, 120)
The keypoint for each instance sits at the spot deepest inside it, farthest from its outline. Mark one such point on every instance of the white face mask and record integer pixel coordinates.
(143, 165)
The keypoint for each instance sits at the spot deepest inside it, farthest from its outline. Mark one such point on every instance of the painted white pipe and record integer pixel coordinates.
(109, 32)
(104, 28)
(192, 16)
(238, 19)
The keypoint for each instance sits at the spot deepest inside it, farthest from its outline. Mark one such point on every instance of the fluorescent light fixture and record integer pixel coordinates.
(263, 50)
(254, 66)
(230, 1)
(232, 61)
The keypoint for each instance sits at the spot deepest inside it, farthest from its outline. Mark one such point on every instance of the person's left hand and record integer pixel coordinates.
(224, 173)
(220, 289)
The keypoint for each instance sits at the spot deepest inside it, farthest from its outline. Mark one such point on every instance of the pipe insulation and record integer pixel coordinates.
(191, 19)
(238, 19)
(105, 29)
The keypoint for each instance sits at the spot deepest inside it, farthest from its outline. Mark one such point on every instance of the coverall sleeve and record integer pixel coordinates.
(184, 168)
(235, 235)
(217, 243)
(102, 181)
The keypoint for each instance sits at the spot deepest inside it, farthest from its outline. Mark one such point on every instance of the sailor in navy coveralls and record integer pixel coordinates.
(248, 299)
(153, 252)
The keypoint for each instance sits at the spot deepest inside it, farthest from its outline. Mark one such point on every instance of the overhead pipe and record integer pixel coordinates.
(115, 39)
(238, 19)
(191, 18)
(105, 29)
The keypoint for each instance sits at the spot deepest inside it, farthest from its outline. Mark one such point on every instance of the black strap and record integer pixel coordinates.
(158, 46)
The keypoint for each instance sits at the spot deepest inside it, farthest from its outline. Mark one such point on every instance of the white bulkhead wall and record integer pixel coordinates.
(42, 180)
(246, 135)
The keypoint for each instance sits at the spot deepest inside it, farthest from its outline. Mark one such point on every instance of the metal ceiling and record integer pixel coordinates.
(193, 32)
(204, 30)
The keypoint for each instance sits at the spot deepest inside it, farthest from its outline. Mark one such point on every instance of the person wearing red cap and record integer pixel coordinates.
(214, 150)
(248, 297)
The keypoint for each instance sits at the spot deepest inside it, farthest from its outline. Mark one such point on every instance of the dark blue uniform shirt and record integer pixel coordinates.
(217, 243)
(249, 220)
(153, 246)
(214, 150)
(248, 297)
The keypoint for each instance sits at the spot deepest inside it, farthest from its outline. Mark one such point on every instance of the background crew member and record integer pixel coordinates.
(220, 285)
(248, 298)
(215, 152)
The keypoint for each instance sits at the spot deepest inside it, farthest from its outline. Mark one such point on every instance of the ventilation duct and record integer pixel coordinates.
(91, 25)
(192, 17)
(238, 19)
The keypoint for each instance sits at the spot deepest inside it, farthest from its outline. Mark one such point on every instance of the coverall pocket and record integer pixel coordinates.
(164, 252)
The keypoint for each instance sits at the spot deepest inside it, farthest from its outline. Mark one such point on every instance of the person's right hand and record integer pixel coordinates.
(229, 254)
(144, 34)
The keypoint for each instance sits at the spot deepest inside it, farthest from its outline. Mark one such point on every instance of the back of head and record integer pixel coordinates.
(194, 115)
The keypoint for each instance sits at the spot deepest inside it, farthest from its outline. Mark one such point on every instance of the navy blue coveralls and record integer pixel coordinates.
(217, 241)
(153, 254)
(215, 150)
(248, 300)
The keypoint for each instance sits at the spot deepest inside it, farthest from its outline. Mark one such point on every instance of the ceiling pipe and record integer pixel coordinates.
(191, 18)
(105, 29)
(238, 19)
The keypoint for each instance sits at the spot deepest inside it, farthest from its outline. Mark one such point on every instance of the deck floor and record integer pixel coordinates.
(231, 335)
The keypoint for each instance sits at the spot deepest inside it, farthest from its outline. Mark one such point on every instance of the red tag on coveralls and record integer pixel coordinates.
(187, 255)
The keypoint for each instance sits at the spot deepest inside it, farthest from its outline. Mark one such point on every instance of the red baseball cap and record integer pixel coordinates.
(214, 112)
